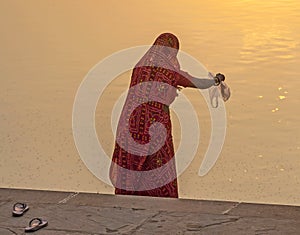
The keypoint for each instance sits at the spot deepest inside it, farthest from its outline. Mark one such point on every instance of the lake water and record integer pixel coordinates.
(47, 48)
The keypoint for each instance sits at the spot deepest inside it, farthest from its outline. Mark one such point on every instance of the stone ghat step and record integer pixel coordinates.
(87, 213)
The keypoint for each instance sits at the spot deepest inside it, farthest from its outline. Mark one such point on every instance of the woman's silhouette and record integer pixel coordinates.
(138, 148)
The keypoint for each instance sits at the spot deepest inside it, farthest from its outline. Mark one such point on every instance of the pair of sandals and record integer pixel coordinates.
(35, 224)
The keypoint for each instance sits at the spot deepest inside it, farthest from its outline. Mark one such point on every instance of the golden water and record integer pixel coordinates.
(47, 47)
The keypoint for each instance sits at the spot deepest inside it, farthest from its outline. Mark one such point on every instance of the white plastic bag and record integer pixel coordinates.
(225, 91)
(216, 91)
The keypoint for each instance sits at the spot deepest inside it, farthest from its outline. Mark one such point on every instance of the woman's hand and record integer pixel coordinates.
(219, 78)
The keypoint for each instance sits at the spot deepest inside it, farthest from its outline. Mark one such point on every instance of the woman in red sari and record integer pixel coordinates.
(143, 160)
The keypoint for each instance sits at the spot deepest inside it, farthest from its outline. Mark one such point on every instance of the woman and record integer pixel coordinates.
(143, 159)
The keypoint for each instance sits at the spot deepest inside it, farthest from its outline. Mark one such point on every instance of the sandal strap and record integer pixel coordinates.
(38, 219)
(22, 205)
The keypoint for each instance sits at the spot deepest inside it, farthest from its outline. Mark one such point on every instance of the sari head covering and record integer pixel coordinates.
(163, 53)
(168, 41)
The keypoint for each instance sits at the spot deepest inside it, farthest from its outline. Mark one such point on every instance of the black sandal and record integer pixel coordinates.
(36, 224)
(19, 209)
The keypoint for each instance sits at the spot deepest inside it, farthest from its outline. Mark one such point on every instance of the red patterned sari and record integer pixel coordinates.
(143, 161)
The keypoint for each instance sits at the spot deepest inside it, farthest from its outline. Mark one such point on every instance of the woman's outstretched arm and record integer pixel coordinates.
(202, 83)
(187, 80)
